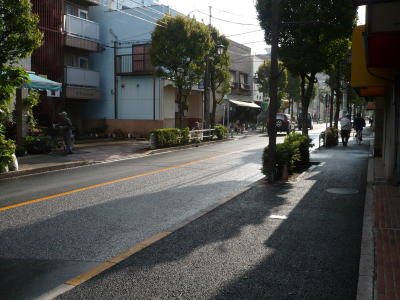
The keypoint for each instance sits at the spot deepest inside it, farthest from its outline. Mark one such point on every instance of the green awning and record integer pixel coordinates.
(40, 83)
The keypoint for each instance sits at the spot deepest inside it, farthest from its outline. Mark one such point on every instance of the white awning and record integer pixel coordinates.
(245, 104)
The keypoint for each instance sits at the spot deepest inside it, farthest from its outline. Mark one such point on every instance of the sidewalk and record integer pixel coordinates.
(299, 240)
(381, 237)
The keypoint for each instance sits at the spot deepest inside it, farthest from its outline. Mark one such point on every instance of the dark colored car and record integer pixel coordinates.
(300, 121)
(283, 123)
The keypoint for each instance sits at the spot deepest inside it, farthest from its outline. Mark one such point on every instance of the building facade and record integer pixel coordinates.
(70, 36)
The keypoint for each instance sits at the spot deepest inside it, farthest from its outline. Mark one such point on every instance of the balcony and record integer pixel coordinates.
(81, 83)
(134, 64)
(240, 89)
(90, 2)
(81, 27)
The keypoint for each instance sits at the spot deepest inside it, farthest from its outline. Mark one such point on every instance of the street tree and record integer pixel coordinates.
(19, 36)
(263, 79)
(307, 35)
(218, 70)
(179, 49)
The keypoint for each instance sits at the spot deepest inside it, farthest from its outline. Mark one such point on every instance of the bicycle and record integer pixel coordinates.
(359, 136)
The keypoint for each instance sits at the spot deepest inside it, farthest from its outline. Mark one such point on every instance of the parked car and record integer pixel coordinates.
(284, 123)
(300, 121)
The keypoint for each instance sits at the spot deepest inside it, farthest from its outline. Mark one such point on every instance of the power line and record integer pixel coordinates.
(244, 33)
(136, 17)
(147, 8)
(238, 23)
(231, 13)
(136, 9)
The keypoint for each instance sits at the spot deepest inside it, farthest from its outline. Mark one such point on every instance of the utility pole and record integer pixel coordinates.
(206, 86)
(273, 91)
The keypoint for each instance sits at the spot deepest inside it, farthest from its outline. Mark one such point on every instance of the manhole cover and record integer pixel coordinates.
(342, 191)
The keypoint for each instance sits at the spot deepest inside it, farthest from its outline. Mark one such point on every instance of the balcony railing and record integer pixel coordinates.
(240, 88)
(81, 77)
(134, 64)
(81, 27)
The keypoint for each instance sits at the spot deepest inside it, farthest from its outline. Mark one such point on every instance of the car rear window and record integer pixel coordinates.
(280, 116)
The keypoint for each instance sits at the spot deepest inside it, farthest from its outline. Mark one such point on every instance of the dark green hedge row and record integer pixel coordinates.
(168, 137)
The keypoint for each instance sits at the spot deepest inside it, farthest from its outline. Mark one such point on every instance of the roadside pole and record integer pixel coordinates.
(273, 92)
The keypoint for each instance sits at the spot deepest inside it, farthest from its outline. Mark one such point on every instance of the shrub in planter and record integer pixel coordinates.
(332, 137)
(286, 154)
(38, 144)
(304, 143)
(220, 131)
(167, 137)
(185, 136)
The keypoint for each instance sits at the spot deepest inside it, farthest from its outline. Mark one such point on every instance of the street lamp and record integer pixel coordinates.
(219, 51)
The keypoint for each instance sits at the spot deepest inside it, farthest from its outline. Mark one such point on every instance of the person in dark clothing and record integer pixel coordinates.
(66, 126)
(359, 124)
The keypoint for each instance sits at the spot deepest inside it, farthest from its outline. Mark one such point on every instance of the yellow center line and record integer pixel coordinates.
(116, 181)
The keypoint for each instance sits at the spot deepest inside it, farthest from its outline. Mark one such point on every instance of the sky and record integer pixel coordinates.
(230, 13)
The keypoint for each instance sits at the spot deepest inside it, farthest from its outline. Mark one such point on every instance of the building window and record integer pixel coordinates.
(83, 14)
(69, 10)
(243, 80)
(83, 63)
(233, 78)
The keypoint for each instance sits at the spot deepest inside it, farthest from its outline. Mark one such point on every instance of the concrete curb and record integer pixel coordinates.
(26, 172)
(365, 288)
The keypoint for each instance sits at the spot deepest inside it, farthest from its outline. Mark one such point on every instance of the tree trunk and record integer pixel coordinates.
(180, 105)
(331, 107)
(306, 94)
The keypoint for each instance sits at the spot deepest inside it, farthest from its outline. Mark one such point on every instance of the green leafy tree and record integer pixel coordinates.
(308, 33)
(19, 36)
(179, 49)
(262, 78)
(219, 71)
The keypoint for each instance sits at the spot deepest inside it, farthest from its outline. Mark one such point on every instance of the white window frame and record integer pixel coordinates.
(83, 11)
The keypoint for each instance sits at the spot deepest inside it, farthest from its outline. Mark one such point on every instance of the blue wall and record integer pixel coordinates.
(133, 103)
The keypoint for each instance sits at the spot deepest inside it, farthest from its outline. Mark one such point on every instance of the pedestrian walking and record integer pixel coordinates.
(66, 127)
(345, 128)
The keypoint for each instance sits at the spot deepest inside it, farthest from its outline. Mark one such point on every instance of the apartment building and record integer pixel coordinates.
(240, 106)
(70, 36)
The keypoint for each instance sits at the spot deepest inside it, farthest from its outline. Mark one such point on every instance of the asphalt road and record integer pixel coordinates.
(298, 240)
(68, 221)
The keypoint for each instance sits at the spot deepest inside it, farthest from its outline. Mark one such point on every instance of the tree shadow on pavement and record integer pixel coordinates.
(316, 251)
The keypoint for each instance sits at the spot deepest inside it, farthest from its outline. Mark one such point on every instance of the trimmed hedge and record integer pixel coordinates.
(168, 137)
(293, 152)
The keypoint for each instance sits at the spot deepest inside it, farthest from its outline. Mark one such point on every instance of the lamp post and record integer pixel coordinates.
(219, 51)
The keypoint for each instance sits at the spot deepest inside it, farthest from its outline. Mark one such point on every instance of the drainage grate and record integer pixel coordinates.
(342, 191)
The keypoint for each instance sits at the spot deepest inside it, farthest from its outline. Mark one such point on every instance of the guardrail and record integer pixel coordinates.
(202, 134)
